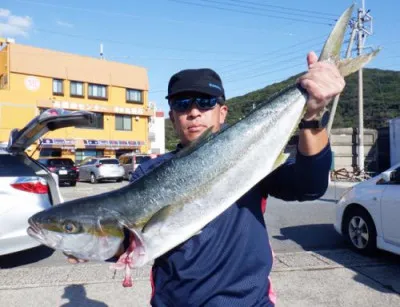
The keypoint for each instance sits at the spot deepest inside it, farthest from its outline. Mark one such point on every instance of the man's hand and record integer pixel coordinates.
(322, 82)
(74, 260)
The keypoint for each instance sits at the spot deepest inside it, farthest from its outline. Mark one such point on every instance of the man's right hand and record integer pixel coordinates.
(74, 260)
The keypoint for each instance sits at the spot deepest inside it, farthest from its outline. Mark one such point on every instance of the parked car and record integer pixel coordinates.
(95, 169)
(64, 167)
(130, 161)
(368, 214)
(26, 186)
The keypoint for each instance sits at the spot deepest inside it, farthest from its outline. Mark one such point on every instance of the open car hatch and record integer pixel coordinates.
(49, 120)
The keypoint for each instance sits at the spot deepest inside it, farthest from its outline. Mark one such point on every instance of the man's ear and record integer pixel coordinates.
(223, 112)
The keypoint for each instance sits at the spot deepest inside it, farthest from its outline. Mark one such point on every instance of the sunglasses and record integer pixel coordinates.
(184, 104)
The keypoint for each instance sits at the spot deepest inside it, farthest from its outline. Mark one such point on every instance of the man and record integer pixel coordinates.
(229, 261)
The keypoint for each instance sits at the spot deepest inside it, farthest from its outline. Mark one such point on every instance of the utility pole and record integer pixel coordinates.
(358, 28)
(362, 18)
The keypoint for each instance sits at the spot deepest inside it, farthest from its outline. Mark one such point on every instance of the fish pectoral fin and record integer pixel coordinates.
(160, 216)
(281, 159)
(203, 138)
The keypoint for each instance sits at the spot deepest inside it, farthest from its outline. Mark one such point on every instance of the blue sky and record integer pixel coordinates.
(250, 43)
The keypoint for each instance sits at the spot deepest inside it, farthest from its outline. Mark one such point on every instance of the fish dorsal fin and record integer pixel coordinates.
(160, 216)
(332, 47)
(196, 143)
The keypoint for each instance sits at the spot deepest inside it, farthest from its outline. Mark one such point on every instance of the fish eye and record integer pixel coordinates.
(70, 227)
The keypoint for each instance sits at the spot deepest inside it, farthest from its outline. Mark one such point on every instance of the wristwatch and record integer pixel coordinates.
(321, 121)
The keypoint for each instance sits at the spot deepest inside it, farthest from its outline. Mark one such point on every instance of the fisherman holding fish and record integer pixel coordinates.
(198, 211)
(228, 262)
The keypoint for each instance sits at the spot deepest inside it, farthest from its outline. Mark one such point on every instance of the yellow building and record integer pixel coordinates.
(34, 79)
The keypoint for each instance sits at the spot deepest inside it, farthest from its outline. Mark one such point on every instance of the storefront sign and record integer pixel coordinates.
(70, 143)
(112, 143)
(94, 107)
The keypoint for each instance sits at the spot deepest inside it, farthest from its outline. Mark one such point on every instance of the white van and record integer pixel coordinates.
(130, 161)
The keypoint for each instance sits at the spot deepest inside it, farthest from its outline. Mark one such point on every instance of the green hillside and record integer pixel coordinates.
(381, 101)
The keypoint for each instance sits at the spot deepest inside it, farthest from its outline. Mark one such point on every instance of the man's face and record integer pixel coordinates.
(190, 124)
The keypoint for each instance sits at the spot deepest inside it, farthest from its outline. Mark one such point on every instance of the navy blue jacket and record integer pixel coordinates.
(229, 262)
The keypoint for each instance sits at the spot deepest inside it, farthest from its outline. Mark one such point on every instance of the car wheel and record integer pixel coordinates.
(120, 179)
(360, 231)
(130, 177)
(72, 183)
(93, 178)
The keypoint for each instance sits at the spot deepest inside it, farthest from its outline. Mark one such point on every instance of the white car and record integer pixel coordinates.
(27, 187)
(368, 214)
(95, 169)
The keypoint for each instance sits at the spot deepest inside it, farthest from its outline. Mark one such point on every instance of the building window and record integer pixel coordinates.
(50, 152)
(82, 154)
(123, 122)
(98, 122)
(76, 89)
(97, 91)
(134, 96)
(58, 87)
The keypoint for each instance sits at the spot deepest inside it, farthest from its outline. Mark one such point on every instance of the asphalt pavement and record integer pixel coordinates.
(319, 278)
(302, 274)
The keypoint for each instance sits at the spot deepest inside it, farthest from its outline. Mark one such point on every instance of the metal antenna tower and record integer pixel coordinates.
(360, 27)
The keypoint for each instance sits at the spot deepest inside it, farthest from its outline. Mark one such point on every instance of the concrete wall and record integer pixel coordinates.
(344, 143)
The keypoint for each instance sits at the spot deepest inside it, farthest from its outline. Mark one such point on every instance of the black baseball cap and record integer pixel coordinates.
(203, 81)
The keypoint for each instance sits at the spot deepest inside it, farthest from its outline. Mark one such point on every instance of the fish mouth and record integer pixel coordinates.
(35, 234)
(35, 231)
(41, 235)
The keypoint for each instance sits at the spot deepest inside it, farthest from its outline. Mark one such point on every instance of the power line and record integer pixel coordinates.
(264, 9)
(276, 51)
(269, 63)
(124, 14)
(259, 74)
(241, 78)
(227, 79)
(272, 55)
(97, 39)
(251, 76)
(285, 8)
(254, 13)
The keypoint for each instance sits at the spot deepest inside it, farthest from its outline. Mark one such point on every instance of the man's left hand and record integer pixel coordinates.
(322, 82)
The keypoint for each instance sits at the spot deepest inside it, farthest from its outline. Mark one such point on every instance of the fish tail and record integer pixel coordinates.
(333, 45)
